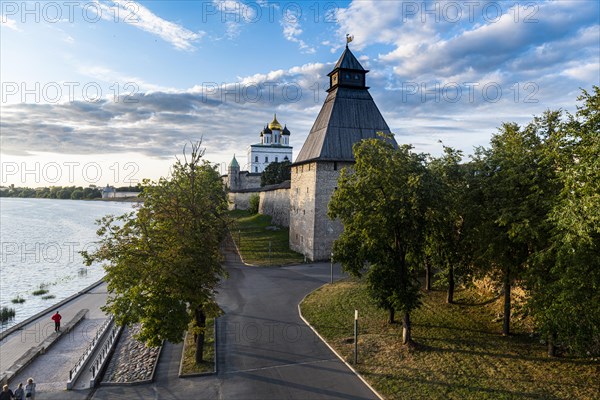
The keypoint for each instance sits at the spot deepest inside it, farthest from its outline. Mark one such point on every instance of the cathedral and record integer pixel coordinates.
(348, 115)
(274, 146)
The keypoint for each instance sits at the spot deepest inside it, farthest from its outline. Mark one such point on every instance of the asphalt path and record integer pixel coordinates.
(265, 350)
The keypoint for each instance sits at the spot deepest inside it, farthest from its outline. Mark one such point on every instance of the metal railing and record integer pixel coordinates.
(90, 349)
(105, 351)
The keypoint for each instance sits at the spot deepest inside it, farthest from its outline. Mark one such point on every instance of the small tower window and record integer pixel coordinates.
(266, 159)
(276, 159)
(335, 165)
(256, 159)
(255, 169)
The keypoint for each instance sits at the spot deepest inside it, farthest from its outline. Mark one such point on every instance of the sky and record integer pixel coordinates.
(110, 92)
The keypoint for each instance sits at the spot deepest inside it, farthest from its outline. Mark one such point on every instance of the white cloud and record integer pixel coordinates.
(135, 84)
(9, 23)
(135, 14)
(292, 30)
(588, 72)
(234, 14)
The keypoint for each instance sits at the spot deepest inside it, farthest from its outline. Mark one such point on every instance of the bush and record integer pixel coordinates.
(18, 300)
(6, 314)
(254, 203)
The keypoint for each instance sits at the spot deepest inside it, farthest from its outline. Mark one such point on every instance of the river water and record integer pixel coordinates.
(40, 241)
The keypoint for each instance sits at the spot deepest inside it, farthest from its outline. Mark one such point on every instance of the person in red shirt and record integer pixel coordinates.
(56, 318)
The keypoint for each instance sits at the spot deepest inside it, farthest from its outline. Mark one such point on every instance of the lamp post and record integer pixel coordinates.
(355, 337)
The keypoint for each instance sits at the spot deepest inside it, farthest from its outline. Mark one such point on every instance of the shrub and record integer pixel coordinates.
(254, 203)
(6, 314)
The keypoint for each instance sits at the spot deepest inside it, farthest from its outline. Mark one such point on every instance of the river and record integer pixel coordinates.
(40, 241)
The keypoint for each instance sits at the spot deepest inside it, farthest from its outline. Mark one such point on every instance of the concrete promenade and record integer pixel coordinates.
(51, 369)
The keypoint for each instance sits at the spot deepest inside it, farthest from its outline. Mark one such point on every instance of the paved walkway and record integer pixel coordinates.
(51, 370)
(264, 349)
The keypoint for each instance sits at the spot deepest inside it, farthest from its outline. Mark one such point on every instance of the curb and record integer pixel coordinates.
(27, 321)
(239, 253)
(333, 350)
(215, 369)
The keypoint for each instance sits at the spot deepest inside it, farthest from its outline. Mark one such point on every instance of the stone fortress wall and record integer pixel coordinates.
(274, 201)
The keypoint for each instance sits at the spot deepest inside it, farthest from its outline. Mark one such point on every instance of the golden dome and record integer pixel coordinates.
(275, 124)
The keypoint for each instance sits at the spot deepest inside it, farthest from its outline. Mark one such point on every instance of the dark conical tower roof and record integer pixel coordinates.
(348, 115)
(348, 61)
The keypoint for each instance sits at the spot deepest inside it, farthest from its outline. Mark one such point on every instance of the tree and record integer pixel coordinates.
(275, 173)
(565, 287)
(510, 181)
(162, 263)
(77, 194)
(382, 204)
(445, 235)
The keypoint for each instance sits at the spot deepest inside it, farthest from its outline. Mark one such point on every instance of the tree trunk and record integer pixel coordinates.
(450, 298)
(200, 323)
(552, 345)
(506, 322)
(406, 330)
(392, 314)
(427, 274)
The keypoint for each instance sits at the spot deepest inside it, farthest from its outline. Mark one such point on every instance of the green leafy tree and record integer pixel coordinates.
(77, 194)
(504, 184)
(565, 285)
(162, 263)
(446, 228)
(382, 203)
(275, 173)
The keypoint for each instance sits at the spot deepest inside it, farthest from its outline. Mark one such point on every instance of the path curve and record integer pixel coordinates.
(265, 350)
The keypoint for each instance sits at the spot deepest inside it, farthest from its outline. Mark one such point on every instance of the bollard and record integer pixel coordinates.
(355, 337)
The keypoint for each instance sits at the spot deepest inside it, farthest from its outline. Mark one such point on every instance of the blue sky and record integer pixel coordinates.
(110, 91)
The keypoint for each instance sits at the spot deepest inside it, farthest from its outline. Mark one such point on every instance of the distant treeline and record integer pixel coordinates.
(60, 192)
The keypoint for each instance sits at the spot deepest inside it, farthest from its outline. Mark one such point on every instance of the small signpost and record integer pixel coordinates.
(355, 337)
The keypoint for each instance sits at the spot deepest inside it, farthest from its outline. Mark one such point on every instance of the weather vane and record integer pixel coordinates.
(349, 38)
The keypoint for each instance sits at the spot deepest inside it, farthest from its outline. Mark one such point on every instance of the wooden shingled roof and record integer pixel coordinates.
(348, 116)
(348, 61)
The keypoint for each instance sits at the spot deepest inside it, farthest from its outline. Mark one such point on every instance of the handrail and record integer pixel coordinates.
(102, 355)
(90, 349)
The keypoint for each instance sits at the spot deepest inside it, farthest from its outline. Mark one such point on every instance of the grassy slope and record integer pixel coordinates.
(460, 354)
(255, 238)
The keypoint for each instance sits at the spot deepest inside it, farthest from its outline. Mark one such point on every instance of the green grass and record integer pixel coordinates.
(189, 348)
(251, 235)
(48, 297)
(18, 300)
(40, 292)
(459, 354)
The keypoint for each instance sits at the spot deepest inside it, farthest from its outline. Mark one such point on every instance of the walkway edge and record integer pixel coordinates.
(332, 349)
(239, 253)
(27, 321)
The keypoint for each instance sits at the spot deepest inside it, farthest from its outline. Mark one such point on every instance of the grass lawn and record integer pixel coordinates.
(189, 349)
(460, 353)
(251, 235)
